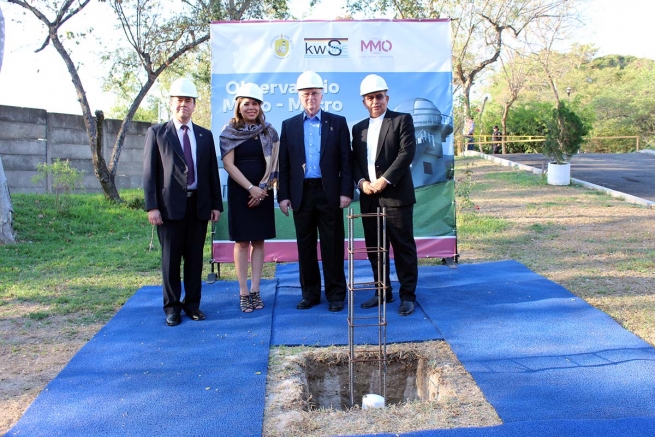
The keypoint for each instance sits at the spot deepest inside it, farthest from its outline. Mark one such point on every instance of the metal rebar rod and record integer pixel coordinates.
(380, 286)
(351, 305)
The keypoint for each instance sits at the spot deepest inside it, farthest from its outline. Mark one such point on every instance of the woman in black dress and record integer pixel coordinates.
(249, 149)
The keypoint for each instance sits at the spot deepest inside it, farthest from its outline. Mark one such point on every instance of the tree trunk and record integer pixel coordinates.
(7, 234)
(106, 178)
(95, 140)
(152, 77)
(503, 123)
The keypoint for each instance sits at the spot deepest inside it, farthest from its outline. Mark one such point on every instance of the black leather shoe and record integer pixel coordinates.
(406, 308)
(306, 304)
(173, 319)
(197, 315)
(373, 302)
(336, 306)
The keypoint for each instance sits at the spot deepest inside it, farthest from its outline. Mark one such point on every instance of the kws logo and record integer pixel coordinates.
(326, 47)
(376, 46)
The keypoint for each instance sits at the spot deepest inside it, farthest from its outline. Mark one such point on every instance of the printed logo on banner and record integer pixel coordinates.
(282, 46)
(326, 47)
(376, 47)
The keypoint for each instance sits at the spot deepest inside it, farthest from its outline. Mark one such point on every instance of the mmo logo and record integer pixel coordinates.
(281, 46)
(376, 46)
(326, 47)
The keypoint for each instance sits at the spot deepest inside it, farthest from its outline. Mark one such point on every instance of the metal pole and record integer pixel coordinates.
(351, 306)
(380, 287)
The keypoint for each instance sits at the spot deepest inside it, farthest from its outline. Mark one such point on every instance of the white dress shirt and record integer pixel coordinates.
(372, 137)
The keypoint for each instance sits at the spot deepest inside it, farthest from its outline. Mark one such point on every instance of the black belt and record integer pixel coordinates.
(313, 181)
(190, 193)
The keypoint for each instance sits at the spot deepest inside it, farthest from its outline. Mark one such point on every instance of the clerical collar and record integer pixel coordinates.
(377, 119)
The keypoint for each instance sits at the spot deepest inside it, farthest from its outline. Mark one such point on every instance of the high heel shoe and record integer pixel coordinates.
(245, 304)
(256, 300)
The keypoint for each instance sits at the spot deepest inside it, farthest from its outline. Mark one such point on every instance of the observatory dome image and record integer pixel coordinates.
(432, 129)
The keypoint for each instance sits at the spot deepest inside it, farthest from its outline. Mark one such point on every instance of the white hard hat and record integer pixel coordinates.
(309, 79)
(250, 90)
(183, 87)
(371, 84)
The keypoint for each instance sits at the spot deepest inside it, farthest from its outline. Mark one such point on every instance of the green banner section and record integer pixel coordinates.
(434, 215)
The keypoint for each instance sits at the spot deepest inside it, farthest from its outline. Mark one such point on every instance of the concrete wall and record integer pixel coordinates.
(29, 137)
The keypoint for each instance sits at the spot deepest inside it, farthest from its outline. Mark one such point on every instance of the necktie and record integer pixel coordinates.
(188, 156)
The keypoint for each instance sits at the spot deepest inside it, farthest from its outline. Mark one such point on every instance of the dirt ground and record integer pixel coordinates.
(447, 395)
(32, 353)
(599, 248)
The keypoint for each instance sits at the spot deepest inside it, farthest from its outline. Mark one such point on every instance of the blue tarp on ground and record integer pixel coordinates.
(548, 362)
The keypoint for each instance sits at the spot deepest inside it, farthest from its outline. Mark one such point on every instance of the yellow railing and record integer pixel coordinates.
(629, 137)
(480, 141)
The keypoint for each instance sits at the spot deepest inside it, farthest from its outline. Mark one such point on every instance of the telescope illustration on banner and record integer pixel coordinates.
(432, 128)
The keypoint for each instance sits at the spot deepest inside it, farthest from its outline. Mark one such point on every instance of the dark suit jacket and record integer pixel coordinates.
(336, 169)
(165, 173)
(395, 151)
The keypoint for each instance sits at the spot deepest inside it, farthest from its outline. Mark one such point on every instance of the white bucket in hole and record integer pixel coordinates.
(372, 401)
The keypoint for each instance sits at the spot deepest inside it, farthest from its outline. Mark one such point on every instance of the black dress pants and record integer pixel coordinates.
(400, 233)
(314, 214)
(182, 240)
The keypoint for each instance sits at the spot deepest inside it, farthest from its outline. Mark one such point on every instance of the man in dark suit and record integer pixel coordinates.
(316, 182)
(383, 148)
(182, 193)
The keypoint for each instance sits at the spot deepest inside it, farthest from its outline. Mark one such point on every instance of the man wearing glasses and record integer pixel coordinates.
(316, 183)
(383, 148)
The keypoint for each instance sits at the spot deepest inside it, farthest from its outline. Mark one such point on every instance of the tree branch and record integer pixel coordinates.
(152, 77)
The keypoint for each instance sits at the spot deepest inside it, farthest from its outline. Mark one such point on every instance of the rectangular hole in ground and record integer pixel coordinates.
(433, 391)
(408, 378)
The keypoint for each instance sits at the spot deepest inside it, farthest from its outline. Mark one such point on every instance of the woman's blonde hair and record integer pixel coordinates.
(238, 121)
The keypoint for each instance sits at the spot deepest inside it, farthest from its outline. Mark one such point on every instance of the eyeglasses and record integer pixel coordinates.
(310, 94)
(370, 98)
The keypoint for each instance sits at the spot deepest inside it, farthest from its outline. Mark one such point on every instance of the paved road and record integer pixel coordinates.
(630, 173)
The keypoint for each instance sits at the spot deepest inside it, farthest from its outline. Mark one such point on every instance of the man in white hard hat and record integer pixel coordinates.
(316, 183)
(182, 193)
(383, 147)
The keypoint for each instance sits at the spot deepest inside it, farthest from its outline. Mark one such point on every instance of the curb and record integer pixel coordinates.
(617, 194)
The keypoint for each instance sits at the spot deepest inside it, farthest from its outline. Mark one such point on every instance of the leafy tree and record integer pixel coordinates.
(613, 94)
(525, 119)
(157, 38)
(619, 91)
(195, 64)
(515, 73)
(147, 111)
(129, 66)
(157, 35)
(479, 28)
(530, 118)
(199, 64)
(63, 12)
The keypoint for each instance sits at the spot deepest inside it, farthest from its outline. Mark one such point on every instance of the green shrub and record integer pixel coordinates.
(65, 179)
(565, 134)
